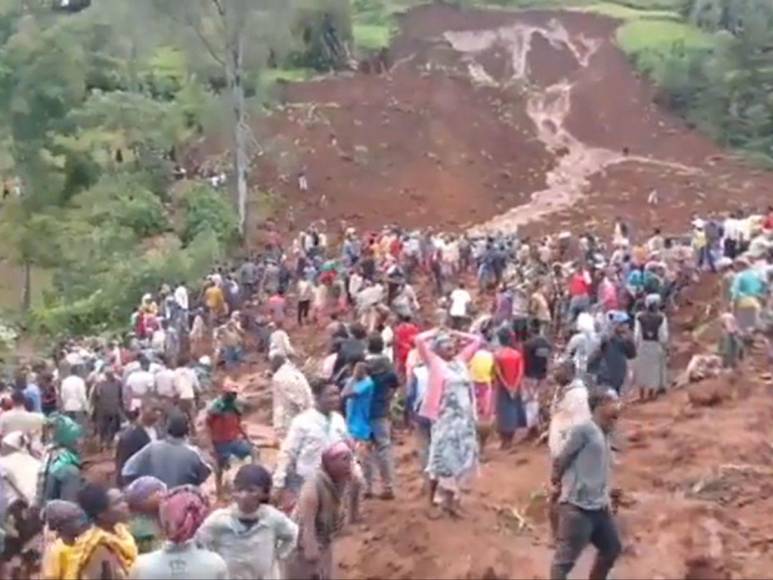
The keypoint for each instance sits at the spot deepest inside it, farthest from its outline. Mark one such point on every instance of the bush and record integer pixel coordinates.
(116, 291)
(125, 201)
(319, 25)
(209, 210)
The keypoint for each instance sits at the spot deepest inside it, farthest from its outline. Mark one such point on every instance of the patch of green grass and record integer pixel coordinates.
(649, 42)
(372, 36)
(660, 35)
(623, 12)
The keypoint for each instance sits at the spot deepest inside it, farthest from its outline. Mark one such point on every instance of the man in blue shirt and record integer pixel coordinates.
(385, 383)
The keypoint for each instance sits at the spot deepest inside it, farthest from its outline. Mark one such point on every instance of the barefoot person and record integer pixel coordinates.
(450, 403)
(580, 479)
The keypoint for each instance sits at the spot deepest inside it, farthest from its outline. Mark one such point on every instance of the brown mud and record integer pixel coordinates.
(495, 120)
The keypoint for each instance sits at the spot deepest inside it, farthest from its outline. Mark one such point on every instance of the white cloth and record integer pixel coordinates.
(309, 435)
(186, 383)
(460, 301)
(181, 297)
(279, 343)
(567, 412)
(24, 468)
(22, 421)
(73, 393)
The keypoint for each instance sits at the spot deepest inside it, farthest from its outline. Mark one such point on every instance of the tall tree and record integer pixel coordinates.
(222, 27)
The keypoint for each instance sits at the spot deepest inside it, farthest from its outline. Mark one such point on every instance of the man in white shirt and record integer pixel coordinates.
(164, 383)
(460, 304)
(21, 420)
(310, 433)
(186, 388)
(181, 296)
(139, 384)
(279, 342)
(75, 401)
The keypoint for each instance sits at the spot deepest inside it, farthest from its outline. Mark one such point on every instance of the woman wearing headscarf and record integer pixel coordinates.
(320, 514)
(107, 549)
(181, 512)
(143, 496)
(251, 535)
(65, 521)
(651, 336)
(450, 404)
(60, 476)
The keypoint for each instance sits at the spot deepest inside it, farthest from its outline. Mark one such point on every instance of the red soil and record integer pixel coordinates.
(423, 146)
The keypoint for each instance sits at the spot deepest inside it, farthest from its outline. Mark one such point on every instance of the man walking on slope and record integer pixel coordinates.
(581, 482)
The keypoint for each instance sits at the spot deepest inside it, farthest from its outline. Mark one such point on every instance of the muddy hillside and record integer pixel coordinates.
(495, 120)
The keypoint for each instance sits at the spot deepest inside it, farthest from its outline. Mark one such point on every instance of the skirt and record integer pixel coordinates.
(484, 403)
(510, 413)
(650, 366)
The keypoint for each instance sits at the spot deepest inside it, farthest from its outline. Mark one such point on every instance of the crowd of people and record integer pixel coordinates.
(456, 338)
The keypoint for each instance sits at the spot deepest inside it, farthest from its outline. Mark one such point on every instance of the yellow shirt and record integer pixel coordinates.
(482, 367)
(60, 562)
(213, 297)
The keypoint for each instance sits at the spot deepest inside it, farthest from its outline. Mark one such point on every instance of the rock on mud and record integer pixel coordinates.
(707, 393)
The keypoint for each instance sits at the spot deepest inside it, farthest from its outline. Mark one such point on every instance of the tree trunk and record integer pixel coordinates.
(26, 292)
(241, 159)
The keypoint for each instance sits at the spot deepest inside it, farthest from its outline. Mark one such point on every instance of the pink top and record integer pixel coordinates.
(431, 407)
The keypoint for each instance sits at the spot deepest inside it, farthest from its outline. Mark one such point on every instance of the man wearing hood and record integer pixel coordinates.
(385, 383)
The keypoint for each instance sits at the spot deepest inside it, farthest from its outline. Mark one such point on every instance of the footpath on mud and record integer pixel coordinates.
(535, 120)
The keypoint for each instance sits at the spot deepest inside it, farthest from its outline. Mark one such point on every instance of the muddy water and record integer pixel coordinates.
(548, 108)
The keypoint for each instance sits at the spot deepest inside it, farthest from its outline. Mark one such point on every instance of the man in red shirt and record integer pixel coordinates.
(224, 423)
(508, 371)
(579, 292)
(405, 334)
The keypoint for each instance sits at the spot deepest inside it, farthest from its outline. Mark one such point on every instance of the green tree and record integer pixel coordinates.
(221, 28)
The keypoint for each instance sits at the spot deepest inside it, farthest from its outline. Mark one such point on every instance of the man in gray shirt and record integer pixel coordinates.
(581, 483)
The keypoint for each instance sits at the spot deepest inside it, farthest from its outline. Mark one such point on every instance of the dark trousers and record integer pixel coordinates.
(303, 311)
(576, 529)
(706, 257)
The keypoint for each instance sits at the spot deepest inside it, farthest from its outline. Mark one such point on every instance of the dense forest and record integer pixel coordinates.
(98, 104)
(725, 87)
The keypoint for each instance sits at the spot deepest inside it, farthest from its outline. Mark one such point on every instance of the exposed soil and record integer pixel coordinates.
(536, 120)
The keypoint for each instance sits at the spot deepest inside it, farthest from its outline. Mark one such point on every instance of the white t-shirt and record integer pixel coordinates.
(139, 384)
(73, 393)
(186, 383)
(460, 301)
(165, 382)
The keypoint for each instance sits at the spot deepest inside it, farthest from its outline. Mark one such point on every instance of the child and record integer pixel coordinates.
(65, 521)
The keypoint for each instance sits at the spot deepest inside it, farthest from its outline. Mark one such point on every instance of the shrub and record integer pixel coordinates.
(207, 209)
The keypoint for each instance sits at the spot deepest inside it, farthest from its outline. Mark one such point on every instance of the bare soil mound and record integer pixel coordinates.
(536, 120)
(485, 112)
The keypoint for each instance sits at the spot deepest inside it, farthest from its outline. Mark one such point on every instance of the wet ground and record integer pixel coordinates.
(535, 120)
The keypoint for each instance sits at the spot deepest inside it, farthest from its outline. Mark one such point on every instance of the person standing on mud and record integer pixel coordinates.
(580, 483)
(320, 514)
